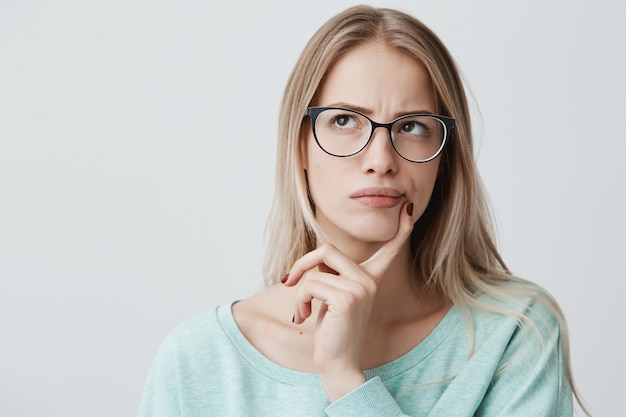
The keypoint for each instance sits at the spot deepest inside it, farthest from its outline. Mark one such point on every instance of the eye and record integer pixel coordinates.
(344, 121)
(413, 127)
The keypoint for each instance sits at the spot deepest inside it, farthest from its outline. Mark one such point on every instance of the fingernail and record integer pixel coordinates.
(409, 209)
(285, 279)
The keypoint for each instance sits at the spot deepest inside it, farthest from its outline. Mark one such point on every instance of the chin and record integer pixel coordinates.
(357, 230)
(371, 233)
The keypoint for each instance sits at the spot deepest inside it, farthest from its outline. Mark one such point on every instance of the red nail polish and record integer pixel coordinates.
(409, 209)
(285, 279)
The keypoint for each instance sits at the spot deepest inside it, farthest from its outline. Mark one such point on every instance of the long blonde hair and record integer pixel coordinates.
(452, 242)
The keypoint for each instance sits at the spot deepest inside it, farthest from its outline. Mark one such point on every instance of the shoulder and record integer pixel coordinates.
(196, 336)
(195, 327)
(519, 302)
(517, 311)
(526, 331)
(524, 328)
(183, 357)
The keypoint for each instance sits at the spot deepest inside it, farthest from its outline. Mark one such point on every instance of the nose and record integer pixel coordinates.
(379, 156)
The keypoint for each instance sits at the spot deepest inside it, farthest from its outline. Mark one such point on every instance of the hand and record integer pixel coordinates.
(346, 291)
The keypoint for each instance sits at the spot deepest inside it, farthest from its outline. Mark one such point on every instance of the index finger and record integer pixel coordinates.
(380, 261)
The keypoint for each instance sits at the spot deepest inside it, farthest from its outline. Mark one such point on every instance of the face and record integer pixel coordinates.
(358, 198)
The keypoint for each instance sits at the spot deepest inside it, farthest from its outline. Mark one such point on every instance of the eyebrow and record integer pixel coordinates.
(368, 111)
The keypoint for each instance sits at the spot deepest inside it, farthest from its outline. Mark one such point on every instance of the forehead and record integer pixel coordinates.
(380, 78)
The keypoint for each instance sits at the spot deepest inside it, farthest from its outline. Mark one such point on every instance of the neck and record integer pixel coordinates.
(400, 294)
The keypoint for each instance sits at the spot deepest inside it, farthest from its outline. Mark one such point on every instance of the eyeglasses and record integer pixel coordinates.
(415, 137)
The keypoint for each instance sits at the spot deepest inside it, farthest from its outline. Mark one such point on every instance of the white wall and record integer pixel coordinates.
(136, 170)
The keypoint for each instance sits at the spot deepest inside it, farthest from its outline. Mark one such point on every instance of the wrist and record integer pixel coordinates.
(338, 384)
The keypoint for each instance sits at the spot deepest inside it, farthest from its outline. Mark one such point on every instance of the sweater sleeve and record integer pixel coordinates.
(160, 396)
(531, 380)
(371, 399)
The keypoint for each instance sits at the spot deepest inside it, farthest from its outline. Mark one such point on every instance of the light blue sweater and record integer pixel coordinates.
(206, 367)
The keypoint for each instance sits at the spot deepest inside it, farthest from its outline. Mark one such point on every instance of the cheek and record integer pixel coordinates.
(317, 172)
(423, 185)
(330, 178)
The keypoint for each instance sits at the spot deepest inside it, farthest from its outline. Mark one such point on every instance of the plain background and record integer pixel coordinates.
(136, 173)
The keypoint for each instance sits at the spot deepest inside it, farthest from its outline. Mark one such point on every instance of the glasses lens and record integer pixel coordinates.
(418, 138)
(341, 132)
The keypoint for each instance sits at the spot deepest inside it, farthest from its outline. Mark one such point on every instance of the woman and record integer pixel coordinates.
(393, 299)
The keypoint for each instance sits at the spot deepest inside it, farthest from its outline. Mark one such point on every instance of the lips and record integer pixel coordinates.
(378, 197)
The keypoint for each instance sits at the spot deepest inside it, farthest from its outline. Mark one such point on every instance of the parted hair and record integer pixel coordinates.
(453, 241)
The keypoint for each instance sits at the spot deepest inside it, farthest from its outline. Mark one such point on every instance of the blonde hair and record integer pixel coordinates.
(454, 251)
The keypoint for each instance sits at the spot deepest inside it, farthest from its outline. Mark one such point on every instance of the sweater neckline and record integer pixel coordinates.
(289, 376)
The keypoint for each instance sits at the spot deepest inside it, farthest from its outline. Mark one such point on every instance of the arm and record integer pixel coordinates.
(160, 396)
(371, 399)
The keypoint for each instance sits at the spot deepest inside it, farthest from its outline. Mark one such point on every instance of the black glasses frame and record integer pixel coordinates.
(448, 122)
